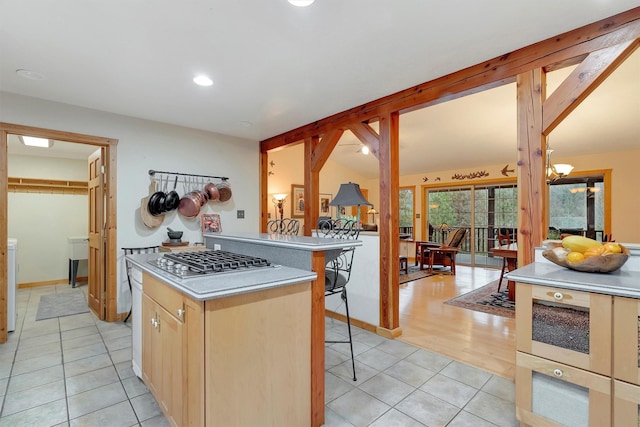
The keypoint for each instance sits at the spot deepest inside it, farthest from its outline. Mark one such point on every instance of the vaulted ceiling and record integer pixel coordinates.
(276, 67)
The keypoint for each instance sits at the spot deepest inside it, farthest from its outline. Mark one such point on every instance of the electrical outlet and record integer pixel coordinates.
(418, 216)
(241, 213)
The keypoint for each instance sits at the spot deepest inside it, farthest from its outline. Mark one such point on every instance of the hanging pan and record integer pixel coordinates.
(224, 189)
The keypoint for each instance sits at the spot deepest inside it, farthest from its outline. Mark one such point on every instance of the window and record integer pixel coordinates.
(483, 209)
(406, 207)
(576, 206)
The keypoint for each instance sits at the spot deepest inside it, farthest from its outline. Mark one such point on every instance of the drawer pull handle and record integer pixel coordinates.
(558, 296)
(558, 373)
(180, 312)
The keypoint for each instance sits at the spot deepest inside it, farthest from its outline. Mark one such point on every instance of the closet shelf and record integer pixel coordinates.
(50, 186)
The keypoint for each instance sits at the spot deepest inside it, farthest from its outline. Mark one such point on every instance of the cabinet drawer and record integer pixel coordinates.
(554, 394)
(626, 405)
(571, 327)
(626, 333)
(170, 299)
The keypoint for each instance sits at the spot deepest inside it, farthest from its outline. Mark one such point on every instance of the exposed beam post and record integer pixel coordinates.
(531, 164)
(311, 184)
(389, 161)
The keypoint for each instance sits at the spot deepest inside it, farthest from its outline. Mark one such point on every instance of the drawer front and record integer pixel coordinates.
(551, 393)
(170, 299)
(569, 326)
(626, 337)
(626, 404)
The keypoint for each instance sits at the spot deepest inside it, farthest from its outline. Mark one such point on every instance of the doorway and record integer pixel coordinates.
(108, 147)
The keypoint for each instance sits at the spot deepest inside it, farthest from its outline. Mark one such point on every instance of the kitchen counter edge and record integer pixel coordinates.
(225, 284)
(623, 282)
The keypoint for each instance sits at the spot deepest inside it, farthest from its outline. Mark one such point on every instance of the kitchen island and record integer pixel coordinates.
(238, 348)
(577, 336)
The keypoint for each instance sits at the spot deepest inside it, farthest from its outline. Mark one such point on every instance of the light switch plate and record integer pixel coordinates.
(240, 213)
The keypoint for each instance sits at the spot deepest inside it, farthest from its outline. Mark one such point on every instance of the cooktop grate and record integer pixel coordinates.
(206, 262)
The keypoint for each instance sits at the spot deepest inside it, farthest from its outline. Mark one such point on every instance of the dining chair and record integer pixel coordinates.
(286, 226)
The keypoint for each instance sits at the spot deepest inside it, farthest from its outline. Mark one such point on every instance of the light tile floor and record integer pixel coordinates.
(76, 371)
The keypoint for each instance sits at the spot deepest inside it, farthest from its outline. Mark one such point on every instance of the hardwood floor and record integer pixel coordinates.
(483, 340)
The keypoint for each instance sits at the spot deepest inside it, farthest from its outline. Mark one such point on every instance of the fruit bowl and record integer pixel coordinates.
(595, 264)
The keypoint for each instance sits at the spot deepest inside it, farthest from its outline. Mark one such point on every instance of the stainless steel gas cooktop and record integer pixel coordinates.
(192, 264)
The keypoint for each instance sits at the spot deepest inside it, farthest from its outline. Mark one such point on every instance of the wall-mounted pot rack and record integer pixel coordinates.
(153, 172)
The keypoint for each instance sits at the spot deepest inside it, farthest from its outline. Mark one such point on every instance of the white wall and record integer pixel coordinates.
(42, 222)
(289, 169)
(145, 145)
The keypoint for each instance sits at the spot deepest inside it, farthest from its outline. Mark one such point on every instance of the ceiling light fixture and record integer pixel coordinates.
(365, 150)
(301, 3)
(202, 81)
(32, 141)
(558, 170)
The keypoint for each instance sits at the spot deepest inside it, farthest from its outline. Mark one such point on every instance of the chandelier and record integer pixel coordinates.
(558, 170)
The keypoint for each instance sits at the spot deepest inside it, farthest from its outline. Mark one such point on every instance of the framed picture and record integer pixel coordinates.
(325, 209)
(211, 223)
(297, 201)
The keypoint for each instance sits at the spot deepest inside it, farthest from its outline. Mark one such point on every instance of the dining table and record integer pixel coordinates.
(510, 254)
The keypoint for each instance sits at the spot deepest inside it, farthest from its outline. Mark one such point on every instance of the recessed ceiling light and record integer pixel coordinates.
(202, 81)
(246, 124)
(301, 3)
(365, 150)
(32, 141)
(29, 74)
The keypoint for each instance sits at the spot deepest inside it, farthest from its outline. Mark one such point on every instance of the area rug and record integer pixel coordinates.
(414, 274)
(60, 305)
(486, 299)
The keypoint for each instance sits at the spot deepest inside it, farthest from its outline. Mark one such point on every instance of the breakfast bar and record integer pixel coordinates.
(242, 347)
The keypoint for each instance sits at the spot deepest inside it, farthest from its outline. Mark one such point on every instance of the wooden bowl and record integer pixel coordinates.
(594, 264)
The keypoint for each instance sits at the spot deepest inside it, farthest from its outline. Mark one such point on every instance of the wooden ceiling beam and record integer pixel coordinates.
(584, 79)
(322, 150)
(368, 136)
(494, 72)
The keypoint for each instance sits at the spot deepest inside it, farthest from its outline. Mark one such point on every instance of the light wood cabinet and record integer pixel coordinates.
(597, 374)
(233, 361)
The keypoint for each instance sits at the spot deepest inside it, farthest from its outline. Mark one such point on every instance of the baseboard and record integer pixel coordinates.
(387, 333)
(50, 282)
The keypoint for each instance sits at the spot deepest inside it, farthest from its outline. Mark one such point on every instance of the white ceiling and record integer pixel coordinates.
(279, 67)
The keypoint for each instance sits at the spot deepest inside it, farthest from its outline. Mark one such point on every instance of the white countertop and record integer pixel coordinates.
(224, 284)
(623, 282)
(306, 243)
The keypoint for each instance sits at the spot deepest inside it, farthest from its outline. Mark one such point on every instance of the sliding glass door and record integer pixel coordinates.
(482, 209)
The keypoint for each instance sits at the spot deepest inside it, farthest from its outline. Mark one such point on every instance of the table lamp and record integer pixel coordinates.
(349, 195)
(278, 202)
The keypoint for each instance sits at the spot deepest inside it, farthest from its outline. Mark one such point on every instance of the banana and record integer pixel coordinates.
(579, 243)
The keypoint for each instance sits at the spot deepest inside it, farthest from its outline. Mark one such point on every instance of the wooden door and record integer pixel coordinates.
(97, 282)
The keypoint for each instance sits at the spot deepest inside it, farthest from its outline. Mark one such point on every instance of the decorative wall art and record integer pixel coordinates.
(211, 223)
(297, 201)
(325, 209)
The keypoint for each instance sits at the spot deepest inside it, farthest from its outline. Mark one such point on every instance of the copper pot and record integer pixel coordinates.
(212, 191)
(189, 205)
(225, 191)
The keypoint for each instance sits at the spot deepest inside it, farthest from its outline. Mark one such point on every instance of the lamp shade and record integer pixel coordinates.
(349, 195)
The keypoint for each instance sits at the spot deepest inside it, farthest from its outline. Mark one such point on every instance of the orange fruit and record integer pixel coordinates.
(612, 248)
(575, 257)
(594, 251)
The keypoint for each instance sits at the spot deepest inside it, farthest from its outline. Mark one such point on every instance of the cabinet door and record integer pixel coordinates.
(626, 339)
(626, 405)
(151, 351)
(171, 345)
(554, 394)
(568, 326)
